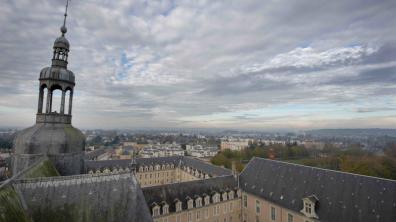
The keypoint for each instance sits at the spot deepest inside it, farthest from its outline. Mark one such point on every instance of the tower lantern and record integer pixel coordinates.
(53, 136)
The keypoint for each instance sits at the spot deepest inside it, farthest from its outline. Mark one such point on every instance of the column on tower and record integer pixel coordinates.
(40, 102)
(49, 100)
(62, 109)
(70, 102)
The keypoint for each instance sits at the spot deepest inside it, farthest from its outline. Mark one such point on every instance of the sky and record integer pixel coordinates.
(246, 64)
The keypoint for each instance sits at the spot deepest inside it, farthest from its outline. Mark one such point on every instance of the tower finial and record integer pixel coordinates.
(63, 28)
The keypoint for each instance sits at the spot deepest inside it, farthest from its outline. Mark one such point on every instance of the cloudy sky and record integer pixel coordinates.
(257, 64)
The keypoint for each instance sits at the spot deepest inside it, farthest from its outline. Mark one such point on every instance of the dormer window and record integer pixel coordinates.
(224, 196)
(216, 198)
(231, 195)
(198, 202)
(190, 203)
(165, 208)
(178, 205)
(308, 208)
(156, 210)
(207, 200)
(309, 204)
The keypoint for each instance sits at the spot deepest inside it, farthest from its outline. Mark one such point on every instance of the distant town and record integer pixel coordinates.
(326, 148)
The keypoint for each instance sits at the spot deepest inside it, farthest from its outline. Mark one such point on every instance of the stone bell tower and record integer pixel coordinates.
(53, 135)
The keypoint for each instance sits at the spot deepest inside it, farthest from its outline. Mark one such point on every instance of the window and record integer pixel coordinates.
(257, 218)
(178, 206)
(156, 211)
(165, 209)
(165, 219)
(206, 213)
(231, 195)
(308, 208)
(244, 217)
(257, 206)
(189, 216)
(289, 218)
(230, 206)
(216, 210)
(198, 202)
(190, 204)
(273, 216)
(198, 215)
(216, 198)
(224, 196)
(178, 218)
(225, 208)
(245, 200)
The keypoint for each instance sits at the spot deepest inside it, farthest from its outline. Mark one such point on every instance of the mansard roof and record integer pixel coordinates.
(115, 197)
(176, 160)
(342, 197)
(181, 191)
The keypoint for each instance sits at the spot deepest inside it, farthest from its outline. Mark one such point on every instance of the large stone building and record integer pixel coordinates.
(234, 144)
(52, 181)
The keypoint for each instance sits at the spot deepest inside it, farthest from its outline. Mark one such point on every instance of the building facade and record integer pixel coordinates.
(234, 144)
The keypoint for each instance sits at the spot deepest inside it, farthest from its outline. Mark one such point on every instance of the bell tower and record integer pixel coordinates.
(57, 77)
(53, 134)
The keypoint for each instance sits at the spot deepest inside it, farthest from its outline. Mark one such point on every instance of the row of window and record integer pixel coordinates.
(273, 212)
(190, 202)
(156, 175)
(205, 213)
(156, 167)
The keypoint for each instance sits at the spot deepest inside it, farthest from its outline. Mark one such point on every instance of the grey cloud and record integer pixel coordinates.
(187, 56)
(382, 76)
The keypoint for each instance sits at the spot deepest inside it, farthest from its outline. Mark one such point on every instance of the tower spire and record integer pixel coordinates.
(63, 28)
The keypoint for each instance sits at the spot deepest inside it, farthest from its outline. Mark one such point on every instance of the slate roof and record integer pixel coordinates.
(95, 153)
(180, 191)
(115, 197)
(206, 167)
(343, 197)
(176, 160)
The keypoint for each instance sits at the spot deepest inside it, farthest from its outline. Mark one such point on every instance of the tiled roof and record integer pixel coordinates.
(343, 197)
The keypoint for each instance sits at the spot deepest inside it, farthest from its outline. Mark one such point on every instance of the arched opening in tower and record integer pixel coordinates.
(56, 101)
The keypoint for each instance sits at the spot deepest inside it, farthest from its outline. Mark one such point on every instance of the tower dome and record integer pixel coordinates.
(53, 135)
(62, 42)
